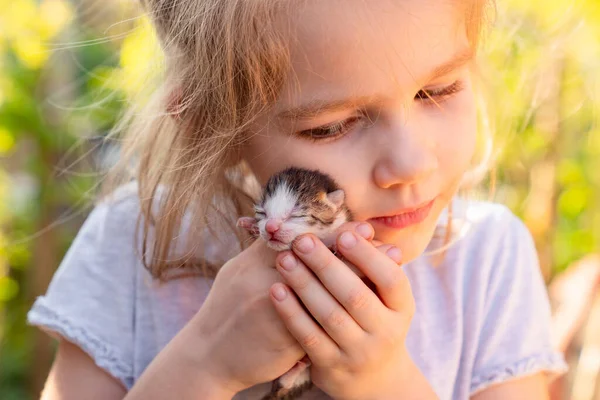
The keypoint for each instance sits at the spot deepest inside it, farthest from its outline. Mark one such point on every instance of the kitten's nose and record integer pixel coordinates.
(272, 225)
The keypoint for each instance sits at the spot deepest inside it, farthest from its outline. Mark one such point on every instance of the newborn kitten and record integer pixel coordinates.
(297, 201)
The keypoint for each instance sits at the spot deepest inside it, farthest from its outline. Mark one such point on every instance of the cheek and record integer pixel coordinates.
(273, 149)
(270, 149)
(259, 156)
(456, 136)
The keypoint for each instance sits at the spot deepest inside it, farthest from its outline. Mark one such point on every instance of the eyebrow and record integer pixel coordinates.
(460, 59)
(315, 107)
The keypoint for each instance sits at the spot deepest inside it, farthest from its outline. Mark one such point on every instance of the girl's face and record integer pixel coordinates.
(360, 106)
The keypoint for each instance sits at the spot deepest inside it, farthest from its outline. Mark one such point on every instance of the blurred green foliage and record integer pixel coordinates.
(67, 69)
(544, 59)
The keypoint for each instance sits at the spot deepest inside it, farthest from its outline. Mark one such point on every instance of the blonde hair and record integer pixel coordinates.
(225, 62)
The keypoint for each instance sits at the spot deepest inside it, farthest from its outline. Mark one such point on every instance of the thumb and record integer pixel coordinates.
(261, 253)
(365, 230)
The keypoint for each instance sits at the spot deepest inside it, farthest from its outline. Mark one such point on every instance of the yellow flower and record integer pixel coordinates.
(7, 141)
(54, 15)
(31, 51)
(141, 57)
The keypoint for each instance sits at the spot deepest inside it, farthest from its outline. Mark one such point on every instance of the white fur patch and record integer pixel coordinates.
(279, 205)
(281, 202)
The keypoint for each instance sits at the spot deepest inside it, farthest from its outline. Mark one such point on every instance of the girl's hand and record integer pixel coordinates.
(357, 348)
(240, 340)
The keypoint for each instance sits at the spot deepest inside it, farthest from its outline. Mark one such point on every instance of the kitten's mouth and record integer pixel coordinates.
(278, 245)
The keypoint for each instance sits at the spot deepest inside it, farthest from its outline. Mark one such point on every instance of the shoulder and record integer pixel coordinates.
(90, 300)
(120, 207)
(489, 247)
(487, 220)
(101, 291)
(121, 204)
(490, 233)
(507, 300)
(497, 249)
(492, 255)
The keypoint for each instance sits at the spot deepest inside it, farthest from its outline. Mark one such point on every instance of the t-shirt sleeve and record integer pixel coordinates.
(515, 335)
(90, 300)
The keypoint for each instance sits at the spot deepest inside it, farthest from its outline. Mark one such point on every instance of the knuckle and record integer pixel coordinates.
(384, 247)
(310, 341)
(289, 315)
(360, 358)
(410, 307)
(325, 264)
(301, 282)
(336, 319)
(358, 299)
(388, 337)
(396, 279)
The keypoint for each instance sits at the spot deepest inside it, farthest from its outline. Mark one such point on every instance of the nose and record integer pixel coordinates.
(407, 158)
(272, 225)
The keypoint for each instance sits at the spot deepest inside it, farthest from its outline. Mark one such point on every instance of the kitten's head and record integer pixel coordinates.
(297, 201)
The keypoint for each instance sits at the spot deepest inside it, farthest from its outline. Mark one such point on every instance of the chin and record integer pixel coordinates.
(279, 246)
(412, 241)
(412, 249)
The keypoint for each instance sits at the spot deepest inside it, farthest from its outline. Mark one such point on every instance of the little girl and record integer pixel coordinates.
(380, 95)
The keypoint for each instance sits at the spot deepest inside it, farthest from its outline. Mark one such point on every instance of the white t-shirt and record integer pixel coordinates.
(482, 315)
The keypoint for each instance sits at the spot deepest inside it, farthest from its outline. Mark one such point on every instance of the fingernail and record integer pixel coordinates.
(288, 262)
(305, 244)
(279, 292)
(394, 254)
(364, 230)
(347, 239)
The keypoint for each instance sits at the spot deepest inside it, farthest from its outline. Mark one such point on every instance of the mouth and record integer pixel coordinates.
(278, 245)
(406, 217)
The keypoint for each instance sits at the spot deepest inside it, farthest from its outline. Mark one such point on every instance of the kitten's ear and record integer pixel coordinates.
(336, 197)
(249, 224)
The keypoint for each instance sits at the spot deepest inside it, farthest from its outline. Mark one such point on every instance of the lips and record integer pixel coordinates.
(279, 240)
(278, 245)
(406, 216)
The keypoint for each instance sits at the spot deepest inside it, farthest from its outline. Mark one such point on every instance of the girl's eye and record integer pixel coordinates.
(331, 131)
(437, 96)
(427, 96)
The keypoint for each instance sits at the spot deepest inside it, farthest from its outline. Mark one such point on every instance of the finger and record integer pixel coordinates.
(319, 347)
(394, 253)
(357, 226)
(345, 285)
(336, 321)
(383, 248)
(391, 282)
(350, 226)
(259, 253)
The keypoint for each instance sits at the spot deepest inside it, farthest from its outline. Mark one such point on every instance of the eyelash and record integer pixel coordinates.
(432, 97)
(439, 95)
(335, 130)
